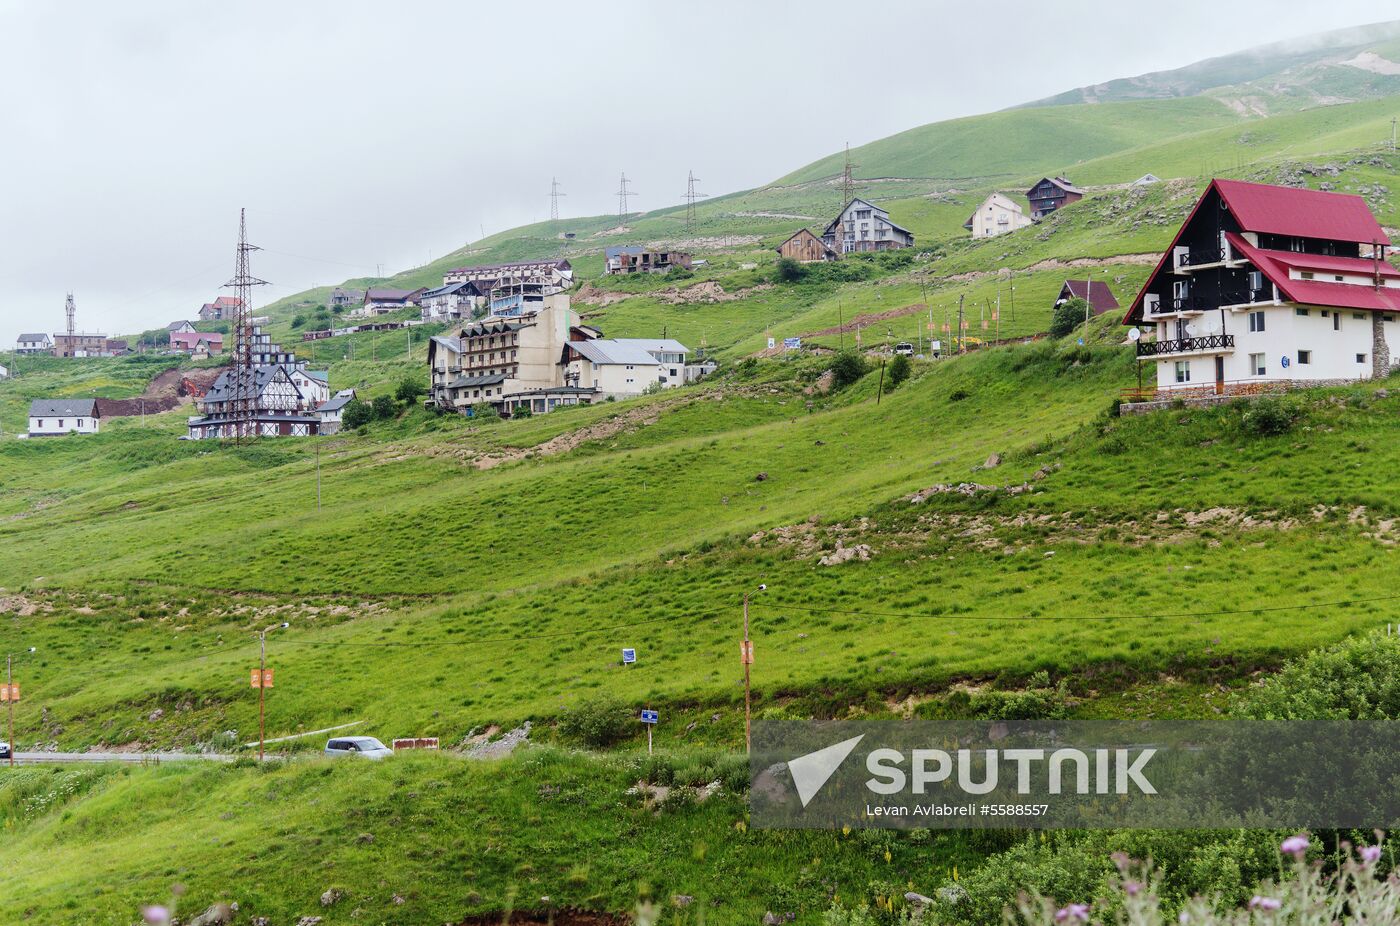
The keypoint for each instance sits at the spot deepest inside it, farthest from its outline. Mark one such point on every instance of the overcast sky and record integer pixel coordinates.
(362, 135)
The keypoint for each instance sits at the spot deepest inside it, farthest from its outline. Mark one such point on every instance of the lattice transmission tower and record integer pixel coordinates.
(554, 195)
(243, 386)
(690, 197)
(623, 194)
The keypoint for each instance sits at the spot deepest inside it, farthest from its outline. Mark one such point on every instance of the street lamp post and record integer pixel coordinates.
(262, 682)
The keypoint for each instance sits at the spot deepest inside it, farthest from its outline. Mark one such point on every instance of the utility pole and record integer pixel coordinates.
(962, 336)
(848, 186)
(840, 324)
(11, 696)
(318, 473)
(746, 657)
(623, 194)
(1393, 121)
(264, 682)
(554, 195)
(1088, 292)
(690, 197)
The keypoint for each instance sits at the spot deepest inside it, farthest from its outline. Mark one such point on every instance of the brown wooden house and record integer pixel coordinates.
(806, 248)
(1050, 194)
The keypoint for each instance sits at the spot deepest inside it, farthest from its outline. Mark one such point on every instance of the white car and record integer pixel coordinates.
(4, 750)
(904, 349)
(364, 746)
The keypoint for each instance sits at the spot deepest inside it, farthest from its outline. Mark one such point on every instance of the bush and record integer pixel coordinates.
(789, 270)
(597, 723)
(521, 413)
(897, 373)
(383, 406)
(357, 414)
(958, 394)
(409, 389)
(847, 368)
(1269, 416)
(298, 321)
(1357, 679)
(1067, 316)
(484, 410)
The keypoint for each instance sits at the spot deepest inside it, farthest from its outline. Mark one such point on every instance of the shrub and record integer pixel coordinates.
(847, 368)
(522, 412)
(1067, 316)
(409, 389)
(789, 270)
(484, 410)
(958, 394)
(383, 406)
(897, 373)
(1357, 679)
(1269, 416)
(597, 722)
(357, 414)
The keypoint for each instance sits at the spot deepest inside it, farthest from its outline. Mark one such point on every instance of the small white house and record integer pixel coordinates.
(52, 417)
(34, 344)
(997, 215)
(330, 411)
(624, 367)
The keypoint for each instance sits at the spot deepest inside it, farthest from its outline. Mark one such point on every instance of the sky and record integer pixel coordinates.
(367, 137)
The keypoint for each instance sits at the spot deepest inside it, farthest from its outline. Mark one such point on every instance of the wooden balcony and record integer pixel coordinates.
(1216, 343)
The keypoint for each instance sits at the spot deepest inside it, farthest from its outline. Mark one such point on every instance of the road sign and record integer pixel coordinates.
(651, 717)
(261, 679)
(9, 692)
(792, 343)
(629, 655)
(772, 343)
(746, 652)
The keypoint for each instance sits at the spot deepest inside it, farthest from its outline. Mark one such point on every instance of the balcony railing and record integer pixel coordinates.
(1185, 345)
(1199, 258)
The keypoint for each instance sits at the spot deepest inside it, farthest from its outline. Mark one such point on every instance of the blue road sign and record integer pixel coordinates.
(651, 717)
(628, 655)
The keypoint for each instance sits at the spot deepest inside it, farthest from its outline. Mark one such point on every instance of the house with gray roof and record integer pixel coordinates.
(38, 343)
(54, 417)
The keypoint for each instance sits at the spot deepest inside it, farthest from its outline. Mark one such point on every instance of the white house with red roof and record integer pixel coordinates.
(1266, 286)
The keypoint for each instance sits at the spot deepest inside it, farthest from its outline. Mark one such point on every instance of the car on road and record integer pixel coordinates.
(904, 349)
(364, 746)
(4, 750)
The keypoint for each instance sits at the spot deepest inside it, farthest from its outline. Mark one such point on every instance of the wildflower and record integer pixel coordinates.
(1121, 860)
(1259, 902)
(155, 915)
(1132, 888)
(1370, 854)
(1294, 845)
(1183, 918)
(1075, 912)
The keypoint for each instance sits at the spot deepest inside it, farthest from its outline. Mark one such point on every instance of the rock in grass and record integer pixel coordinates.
(331, 896)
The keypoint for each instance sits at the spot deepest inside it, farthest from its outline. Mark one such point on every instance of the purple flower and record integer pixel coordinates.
(1294, 845)
(155, 915)
(1258, 902)
(1132, 888)
(1075, 912)
(1370, 854)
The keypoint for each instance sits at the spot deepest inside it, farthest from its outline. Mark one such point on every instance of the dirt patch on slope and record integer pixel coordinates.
(566, 917)
(169, 389)
(706, 292)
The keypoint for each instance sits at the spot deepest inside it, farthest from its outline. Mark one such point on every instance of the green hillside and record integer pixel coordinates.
(1277, 77)
(985, 539)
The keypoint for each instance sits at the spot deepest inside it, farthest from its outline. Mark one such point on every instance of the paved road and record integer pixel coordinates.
(65, 758)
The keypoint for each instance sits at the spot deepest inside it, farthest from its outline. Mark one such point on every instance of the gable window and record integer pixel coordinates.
(1304, 356)
(1256, 364)
(1256, 321)
(1183, 371)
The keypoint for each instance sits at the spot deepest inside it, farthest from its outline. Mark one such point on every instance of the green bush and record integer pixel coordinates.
(789, 270)
(1269, 416)
(357, 414)
(409, 389)
(847, 368)
(897, 373)
(384, 406)
(1067, 316)
(1357, 679)
(485, 410)
(598, 722)
(522, 412)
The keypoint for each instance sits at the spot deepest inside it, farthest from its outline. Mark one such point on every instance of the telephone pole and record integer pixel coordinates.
(745, 656)
(264, 681)
(243, 374)
(623, 194)
(11, 696)
(690, 197)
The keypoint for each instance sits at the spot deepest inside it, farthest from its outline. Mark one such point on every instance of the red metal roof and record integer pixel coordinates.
(1283, 210)
(1103, 299)
(1275, 264)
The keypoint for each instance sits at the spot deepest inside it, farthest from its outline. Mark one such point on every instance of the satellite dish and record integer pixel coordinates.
(1134, 334)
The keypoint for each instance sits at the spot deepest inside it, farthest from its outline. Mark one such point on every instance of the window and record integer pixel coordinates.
(1358, 315)
(1325, 313)
(1256, 364)
(1336, 321)
(1304, 356)
(1256, 321)
(1183, 371)
(1300, 311)
(1256, 281)
(1360, 358)
(1306, 274)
